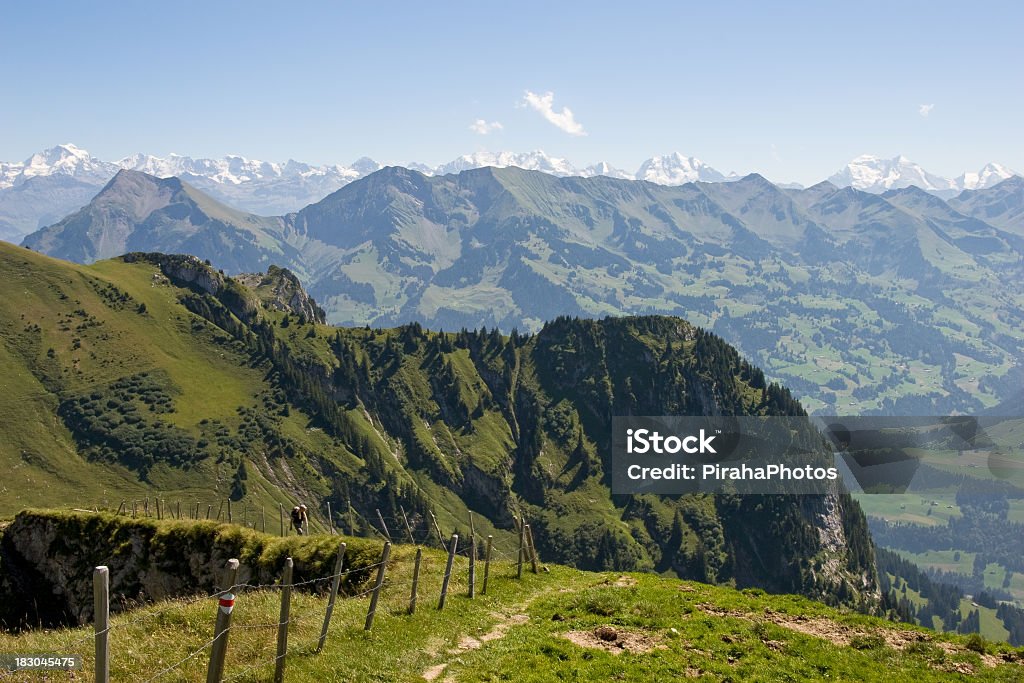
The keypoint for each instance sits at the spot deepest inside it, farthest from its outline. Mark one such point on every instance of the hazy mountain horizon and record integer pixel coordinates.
(47, 185)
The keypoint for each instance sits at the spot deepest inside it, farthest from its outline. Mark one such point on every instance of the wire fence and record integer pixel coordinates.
(266, 657)
(412, 528)
(405, 528)
(397, 580)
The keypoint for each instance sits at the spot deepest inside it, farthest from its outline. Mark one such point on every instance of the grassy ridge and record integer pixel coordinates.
(521, 630)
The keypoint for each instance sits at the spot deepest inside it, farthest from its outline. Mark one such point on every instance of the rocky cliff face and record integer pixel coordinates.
(279, 289)
(188, 271)
(183, 269)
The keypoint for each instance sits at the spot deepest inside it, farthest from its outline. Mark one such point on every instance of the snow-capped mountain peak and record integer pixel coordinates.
(603, 168)
(989, 175)
(65, 155)
(66, 159)
(536, 160)
(676, 169)
(876, 174)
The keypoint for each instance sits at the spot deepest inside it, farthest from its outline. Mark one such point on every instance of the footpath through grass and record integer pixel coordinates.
(560, 624)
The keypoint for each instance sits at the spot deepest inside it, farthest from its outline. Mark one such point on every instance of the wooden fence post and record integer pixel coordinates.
(101, 621)
(209, 510)
(383, 526)
(531, 547)
(440, 538)
(229, 510)
(522, 549)
(335, 584)
(472, 566)
(487, 564)
(415, 580)
(226, 603)
(146, 508)
(134, 505)
(179, 509)
(282, 623)
(351, 520)
(453, 545)
(220, 509)
(372, 611)
(408, 528)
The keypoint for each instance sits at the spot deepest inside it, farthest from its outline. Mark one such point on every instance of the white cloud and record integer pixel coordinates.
(481, 127)
(925, 109)
(565, 120)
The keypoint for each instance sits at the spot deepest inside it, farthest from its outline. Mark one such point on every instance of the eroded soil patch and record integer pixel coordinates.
(615, 640)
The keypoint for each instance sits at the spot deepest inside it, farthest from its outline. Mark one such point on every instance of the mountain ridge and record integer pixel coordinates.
(510, 248)
(156, 373)
(274, 188)
(139, 212)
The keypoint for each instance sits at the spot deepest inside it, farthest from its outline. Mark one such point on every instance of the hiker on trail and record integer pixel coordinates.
(300, 520)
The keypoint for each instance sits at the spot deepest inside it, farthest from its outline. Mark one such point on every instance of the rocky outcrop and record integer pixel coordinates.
(188, 271)
(183, 269)
(48, 559)
(280, 290)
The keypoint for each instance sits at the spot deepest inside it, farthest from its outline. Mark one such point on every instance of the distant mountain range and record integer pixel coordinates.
(874, 174)
(51, 184)
(899, 302)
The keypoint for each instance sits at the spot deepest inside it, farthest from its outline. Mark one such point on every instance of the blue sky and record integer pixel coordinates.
(792, 90)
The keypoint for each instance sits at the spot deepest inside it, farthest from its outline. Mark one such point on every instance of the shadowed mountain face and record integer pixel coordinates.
(1001, 206)
(138, 212)
(895, 303)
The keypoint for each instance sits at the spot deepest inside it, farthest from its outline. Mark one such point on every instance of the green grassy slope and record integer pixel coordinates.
(68, 331)
(540, 628)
